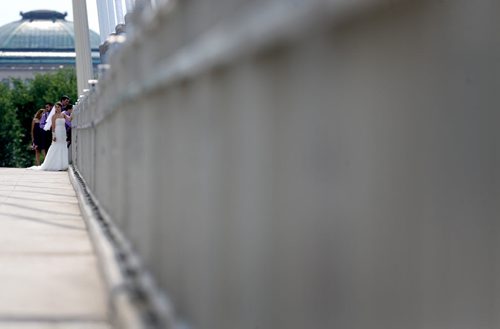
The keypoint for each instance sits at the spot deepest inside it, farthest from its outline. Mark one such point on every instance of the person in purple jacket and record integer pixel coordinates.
(47, 135)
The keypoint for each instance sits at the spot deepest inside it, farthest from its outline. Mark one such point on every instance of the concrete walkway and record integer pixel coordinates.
(48, 269)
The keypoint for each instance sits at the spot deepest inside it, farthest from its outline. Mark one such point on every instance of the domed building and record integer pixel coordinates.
(42, 41)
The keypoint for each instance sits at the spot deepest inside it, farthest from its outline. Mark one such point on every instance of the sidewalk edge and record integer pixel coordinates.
(133, 299)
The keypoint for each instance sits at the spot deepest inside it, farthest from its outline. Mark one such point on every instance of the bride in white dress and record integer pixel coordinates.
(57, 155)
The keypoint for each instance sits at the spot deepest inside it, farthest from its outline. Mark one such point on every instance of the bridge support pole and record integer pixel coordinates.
(82, 45)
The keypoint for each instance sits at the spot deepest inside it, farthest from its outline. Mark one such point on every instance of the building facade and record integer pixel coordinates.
(41, 41)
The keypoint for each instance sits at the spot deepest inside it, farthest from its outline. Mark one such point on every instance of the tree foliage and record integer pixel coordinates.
(10, 131)
(19, 103)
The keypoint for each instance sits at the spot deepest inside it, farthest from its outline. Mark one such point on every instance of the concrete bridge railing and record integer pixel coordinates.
(306, 164)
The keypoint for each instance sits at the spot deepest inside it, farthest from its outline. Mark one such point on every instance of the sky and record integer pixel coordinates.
(9, 10)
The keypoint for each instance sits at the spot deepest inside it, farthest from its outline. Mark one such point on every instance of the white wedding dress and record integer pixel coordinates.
(57, 155)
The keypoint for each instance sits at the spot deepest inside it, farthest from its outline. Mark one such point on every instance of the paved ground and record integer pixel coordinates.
(48, 270)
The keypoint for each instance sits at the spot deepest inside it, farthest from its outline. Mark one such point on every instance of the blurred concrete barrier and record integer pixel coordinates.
(306, 164)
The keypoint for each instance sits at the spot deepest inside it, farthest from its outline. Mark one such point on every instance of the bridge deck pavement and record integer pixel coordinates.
(48, 270)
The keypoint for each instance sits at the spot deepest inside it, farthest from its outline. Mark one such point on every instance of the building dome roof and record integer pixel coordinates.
(41, 30)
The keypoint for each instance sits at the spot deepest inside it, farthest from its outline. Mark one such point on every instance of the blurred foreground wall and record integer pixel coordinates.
(306, 164)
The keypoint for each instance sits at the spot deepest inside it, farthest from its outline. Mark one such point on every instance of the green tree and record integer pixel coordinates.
(50, 87)
(10, 131)
(22, 102)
